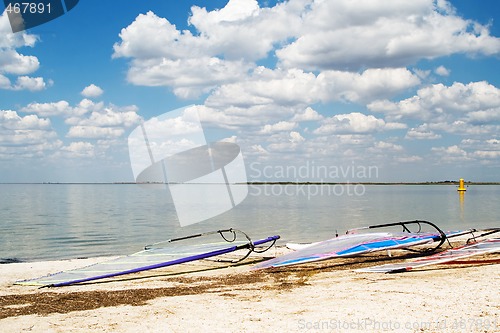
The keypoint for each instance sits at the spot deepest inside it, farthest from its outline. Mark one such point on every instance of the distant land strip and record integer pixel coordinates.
(446, 182)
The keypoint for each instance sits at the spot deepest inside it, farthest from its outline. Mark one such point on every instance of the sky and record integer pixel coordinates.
(344, 90)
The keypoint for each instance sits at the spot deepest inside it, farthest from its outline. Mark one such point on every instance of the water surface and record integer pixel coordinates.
(55, 221)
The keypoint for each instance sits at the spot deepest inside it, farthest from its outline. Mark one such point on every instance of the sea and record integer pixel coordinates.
(60, 221)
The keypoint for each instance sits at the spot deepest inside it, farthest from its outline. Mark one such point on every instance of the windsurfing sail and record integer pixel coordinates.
(440, 237)
(483, 247)
(447, 256)
(353, 244)
(154, 257)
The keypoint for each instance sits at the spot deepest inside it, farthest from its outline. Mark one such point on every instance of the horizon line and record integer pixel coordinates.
(442, 182)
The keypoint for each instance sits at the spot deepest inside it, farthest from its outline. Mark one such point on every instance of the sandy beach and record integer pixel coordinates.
(328, 296)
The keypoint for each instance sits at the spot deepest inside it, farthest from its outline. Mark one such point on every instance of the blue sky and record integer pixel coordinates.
(410, 88)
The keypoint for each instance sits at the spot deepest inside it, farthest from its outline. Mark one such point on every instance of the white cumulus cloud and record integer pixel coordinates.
(308, 114)
(422, 132)
(295, 137)
(94, 132)
(267, 86)
(451, 154)
(439, 102)
(350, 123)
(15, 64)
(92, 91)
(278, 127)
(79, 149)
(28, 136)
(351, 34)
(103, 122)
(442, 71)
(61, 108)
(10, 120)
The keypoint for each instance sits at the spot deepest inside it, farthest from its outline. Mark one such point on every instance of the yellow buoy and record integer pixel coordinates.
(461, 186)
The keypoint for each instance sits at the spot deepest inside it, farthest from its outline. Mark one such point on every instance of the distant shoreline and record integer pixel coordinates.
(455, 183)
(373, 183)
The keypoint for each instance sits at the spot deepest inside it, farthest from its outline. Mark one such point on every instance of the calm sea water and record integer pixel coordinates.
(49, 221)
